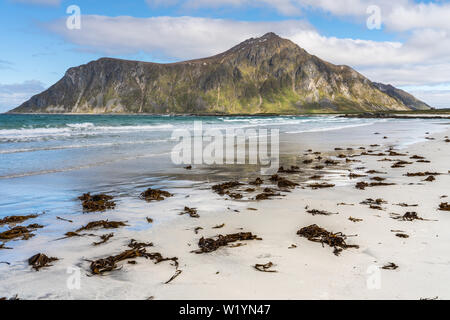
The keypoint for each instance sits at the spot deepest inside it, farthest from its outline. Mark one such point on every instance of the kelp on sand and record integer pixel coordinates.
(317, 234)
(212, 244)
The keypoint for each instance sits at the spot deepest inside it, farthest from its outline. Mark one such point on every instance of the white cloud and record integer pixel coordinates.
(12, 95)
(175, 37)
(190, 37)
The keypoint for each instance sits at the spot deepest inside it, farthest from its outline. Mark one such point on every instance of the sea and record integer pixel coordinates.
(47, 161)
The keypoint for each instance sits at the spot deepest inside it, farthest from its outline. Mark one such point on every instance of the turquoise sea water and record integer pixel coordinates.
(46, 161)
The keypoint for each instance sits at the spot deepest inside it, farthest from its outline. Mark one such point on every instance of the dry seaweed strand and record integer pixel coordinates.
(212, 244)
(17, 219)
(320, 212)
(40, 260)
(137, 249)
(264, 267)
(317, 234)
(104, 238)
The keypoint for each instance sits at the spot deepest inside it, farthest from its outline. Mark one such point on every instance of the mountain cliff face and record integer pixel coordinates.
(262, 75)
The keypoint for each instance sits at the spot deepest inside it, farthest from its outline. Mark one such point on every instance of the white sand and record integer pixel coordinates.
(309, 271)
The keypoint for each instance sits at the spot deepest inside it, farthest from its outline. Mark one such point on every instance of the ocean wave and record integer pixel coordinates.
(73, 129)
(81, 146)
(332, 128)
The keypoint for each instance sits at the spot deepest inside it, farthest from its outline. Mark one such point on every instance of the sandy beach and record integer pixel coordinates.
(304, 269)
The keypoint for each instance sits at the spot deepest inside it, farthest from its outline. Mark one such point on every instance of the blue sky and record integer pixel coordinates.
(410, 50)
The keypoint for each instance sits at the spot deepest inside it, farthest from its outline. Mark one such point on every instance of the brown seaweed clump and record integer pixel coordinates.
(212, 244)
(321, 185)
(258, 181)
(98, 202)
(444, 206)
(266, 195)
(222, 188)
(154, 195)
(421, 174)
(137, 249)
(409, 216)
(192, 212)
(16, 219)
(317, 234)
(17, 232)
(40, 260)
(363, 185)
(285, 183)
(104, 224)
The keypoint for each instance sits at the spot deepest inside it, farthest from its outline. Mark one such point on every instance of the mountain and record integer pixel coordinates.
(262, 75)
(408, 99)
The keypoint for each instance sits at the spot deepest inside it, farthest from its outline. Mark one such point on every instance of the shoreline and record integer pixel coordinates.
(434, 114)
(306, 271)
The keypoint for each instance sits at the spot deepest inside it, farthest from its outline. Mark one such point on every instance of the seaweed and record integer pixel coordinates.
(154, 195)
(137, 249)
(40, 260)
(98, 202)
(17, 232)
(2, 247)
(176, 274)
(355, 219)
(321, 185)
(62, 219)
(330, 162)
(219, 226)
(409, 216)
(266, 195)
(390, 266)
(375, 172)
(212, 244)
(430, 179)
(422, 174)
(16, 219)
(292, 169)
(258, 181)
(192, 212)
(402, 235)
(104, 238)
(444, 206)
(356, 175)
(403, 204)
(197, 229)
(223, 187)
(264, 267)
(317, 234)
(377, 179)
(363, 185)
(400, 164)
(285, 183)
(320, 212)
(307, 161)
(104, 224)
